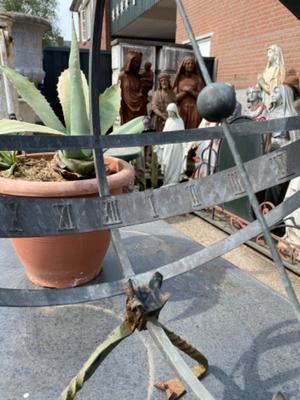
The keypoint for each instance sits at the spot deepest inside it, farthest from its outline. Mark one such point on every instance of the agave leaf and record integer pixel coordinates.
(63, 90)
(78, 114)
(78, 154)
(81, 167)
(4, 164)
(6, 157)
(33, 98)
(136, 125)
(110, 102)
(8, 126)
(8, 161)
(86, 93)
(64, 95)
(10, 170)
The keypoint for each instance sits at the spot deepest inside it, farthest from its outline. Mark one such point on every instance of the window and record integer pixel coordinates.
(204, 45)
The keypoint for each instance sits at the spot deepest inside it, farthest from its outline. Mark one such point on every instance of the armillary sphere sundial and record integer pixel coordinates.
(23, 217)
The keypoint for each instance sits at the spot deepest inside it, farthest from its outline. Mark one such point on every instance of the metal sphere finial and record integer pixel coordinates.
(216, 101)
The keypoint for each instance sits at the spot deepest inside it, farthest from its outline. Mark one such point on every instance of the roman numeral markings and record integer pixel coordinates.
(236, 184)
(195, 196)
(111, 213)
(279, 162)
(65, 217)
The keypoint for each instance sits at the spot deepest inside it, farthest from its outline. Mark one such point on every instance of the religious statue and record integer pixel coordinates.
(133, 103)
(282, 106)
(257, 109)
(292, 81)
(172, 157)
(147, 79)
(162, 97)
(187, 86)
(237, 112)
(292, 234)
(274, 73)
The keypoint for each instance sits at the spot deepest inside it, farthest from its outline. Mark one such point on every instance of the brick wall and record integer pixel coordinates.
(242, 31)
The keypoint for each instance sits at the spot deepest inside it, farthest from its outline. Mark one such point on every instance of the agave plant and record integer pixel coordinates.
(73, 93)
(8, 161)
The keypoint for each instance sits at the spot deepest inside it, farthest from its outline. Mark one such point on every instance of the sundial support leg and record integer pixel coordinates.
(166, 341)
(121, 253)
(143, 306)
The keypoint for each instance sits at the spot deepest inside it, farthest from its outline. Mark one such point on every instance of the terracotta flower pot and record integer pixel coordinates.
(65, 261)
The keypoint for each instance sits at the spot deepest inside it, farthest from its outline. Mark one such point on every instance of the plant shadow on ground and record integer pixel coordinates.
(268, 349)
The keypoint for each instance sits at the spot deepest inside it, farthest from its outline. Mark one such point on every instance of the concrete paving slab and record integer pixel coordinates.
(246, 330)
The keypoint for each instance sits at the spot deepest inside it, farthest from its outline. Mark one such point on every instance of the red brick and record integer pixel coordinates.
(242, 31)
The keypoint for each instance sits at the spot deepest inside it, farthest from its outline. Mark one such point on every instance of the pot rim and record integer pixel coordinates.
(123, 176)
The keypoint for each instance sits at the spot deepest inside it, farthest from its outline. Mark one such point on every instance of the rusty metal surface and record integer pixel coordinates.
(144, 302)
(230, 223)
(193, 386)
(174, 388)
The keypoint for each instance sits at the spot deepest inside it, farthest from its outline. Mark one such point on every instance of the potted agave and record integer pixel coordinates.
(63, 261)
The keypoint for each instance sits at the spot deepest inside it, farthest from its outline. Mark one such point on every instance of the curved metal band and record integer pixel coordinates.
(52, 143)
(50, 297)
(23, 217)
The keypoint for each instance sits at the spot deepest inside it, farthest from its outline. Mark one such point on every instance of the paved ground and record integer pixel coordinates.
(245, 258)
(246, 330)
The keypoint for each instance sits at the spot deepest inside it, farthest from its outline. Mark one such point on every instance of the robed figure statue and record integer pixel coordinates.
(187, 85)
(133, 103)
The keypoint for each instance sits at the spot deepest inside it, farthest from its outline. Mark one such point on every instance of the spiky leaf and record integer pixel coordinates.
(136, 125)
(81, 167)
(64, 95)
(110, 102)
(86, 93)
(79, 120)
(33, 98)
(8, 159)
(8, 127)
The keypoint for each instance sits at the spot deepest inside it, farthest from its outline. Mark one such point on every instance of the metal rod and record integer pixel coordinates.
(94, 84)
(127, 268)
(50, 297)
(40, 142)
(94, 76)
(192, 385)
(259, 215)
(244, 175)
(189, 30)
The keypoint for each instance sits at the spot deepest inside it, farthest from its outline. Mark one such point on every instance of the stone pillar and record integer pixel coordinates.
(6, 23)
(27, 32)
